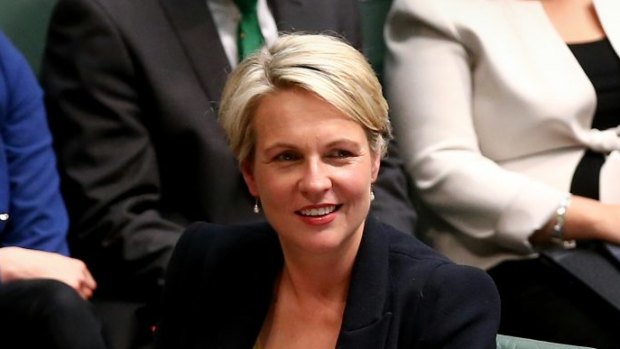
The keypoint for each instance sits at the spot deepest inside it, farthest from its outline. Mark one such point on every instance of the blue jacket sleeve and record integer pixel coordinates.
(29, 183)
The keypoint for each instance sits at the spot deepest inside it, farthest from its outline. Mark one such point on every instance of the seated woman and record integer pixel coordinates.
(503, 110)
(43, 291)
(308, 122)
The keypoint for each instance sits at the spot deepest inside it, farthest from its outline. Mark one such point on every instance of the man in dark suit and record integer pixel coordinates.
(132, 90)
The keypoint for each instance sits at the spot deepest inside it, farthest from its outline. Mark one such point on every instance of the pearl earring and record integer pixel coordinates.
(372, 195)
(256, 207)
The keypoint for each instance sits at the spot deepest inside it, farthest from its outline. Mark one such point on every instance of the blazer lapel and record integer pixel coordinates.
(251, 289)
(366, 320)
(607, 11)
(198, 34)
(558, 70)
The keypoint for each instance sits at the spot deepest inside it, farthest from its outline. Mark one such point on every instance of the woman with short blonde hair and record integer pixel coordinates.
(308, 123)
(320, 64)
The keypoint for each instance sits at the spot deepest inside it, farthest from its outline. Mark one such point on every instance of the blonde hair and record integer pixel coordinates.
(321, 64)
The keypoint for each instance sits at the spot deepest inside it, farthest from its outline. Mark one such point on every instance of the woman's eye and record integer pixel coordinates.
(341, 154)
(287, 156)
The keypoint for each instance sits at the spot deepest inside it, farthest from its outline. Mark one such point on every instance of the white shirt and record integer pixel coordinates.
(226, 16)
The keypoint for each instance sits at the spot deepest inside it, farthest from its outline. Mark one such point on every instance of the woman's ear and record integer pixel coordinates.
(247, 169)
(375, 166)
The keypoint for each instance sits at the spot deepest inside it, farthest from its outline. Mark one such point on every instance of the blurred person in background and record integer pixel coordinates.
(133, 89)
(507, 113)
(43, 291)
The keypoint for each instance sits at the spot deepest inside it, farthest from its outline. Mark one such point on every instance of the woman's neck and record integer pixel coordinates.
(308, 306)
(316, 284)
(575, 21)
(320, 276)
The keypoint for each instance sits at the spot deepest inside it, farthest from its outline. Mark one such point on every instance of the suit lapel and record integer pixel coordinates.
(366, 321)
(303, 15)
(287, 13)
(198, 34)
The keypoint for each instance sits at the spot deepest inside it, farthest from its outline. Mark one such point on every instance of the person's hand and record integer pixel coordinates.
(586, 219)
(20, 263)
(606, 223)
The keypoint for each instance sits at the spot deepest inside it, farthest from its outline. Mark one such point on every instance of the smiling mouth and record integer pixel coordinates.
(318, 212)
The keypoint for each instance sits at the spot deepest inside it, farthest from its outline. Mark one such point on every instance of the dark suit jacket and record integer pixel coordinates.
(402, 294)
(132, 92)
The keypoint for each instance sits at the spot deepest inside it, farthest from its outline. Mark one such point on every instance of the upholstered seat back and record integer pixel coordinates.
(508, 342)
(25, 23)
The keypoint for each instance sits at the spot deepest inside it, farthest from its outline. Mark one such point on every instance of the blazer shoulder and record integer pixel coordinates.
(449, 17)
(446, 8)
(117, 14)
(408, 247)
(204, 237)
(225, 245)
(215, 251)
(411, 260)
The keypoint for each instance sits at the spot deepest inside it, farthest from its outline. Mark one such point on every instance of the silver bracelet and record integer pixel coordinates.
(557, 235)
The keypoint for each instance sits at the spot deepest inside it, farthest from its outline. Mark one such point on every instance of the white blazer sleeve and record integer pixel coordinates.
(430, 90)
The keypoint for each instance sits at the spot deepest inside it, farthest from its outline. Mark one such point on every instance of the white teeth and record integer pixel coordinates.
(318, 211)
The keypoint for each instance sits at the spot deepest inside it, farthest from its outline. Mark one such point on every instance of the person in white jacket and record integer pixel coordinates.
(507, 113)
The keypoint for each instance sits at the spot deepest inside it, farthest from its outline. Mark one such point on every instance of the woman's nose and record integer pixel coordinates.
(315, 179)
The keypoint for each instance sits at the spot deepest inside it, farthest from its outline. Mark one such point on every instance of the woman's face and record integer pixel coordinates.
(312, 170)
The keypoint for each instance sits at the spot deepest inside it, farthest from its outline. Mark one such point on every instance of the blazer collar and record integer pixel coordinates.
(539, 35)
(198, 34)
(366, 320)
(249, 290)
(607, 11)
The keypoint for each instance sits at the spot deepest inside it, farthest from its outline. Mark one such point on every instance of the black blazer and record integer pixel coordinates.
(132, 88)
(402, 294)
